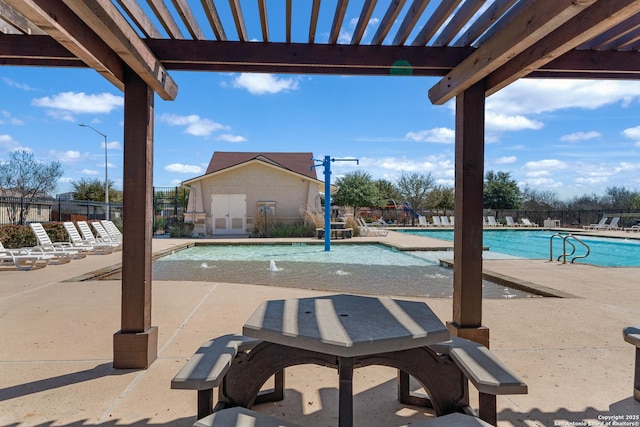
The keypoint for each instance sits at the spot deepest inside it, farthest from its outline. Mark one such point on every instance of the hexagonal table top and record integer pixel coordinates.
(347, 325)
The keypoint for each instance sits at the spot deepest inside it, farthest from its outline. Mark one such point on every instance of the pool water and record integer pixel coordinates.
(605, 252)
(352, 268)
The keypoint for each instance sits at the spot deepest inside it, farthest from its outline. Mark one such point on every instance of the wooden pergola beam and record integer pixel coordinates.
(598, 18)
(107, 22)
(304, 58)
(533, 23)
(73, 34)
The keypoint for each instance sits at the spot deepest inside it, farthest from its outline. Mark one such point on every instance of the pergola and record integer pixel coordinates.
(478, 47)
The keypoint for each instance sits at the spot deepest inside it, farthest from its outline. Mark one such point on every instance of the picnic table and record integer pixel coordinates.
(347, 332)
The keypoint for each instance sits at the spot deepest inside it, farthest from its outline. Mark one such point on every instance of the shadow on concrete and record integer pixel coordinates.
(19, 390)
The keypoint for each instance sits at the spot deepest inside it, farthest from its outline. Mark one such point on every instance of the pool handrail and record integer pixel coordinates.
(564, 255)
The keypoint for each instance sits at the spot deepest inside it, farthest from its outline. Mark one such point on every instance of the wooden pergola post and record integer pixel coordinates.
(469, 183)
(135, 345)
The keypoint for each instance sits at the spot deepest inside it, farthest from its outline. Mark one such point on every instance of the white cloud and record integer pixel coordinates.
(506, 160)
(194, 124)
(8, 143)
(260, 84)
(69, 156)
(500, 122)
(113, 145)
(538, 173)
(15, 84)
(537, 96)
(7, 119)
(439, 135)
(80, 103)
(89, 172)
(231, 138)
(546, 164)
(580, 136)
(632, 133)
(180, 168)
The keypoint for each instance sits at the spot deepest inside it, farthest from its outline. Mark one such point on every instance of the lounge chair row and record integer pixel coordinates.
(78, 246)
(602, 224)
(437, 221)
(525, 222)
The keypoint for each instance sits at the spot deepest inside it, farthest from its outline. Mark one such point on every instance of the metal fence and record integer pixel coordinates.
(169, 206)
(49, 209)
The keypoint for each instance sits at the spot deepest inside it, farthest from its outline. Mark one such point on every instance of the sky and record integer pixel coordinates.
(571, 137)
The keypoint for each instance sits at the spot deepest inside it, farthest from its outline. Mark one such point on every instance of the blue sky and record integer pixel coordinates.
(571, 137)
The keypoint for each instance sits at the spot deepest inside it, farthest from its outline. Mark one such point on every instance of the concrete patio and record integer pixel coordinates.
(56, 348)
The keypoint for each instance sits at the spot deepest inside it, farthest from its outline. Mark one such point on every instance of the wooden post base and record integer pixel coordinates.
(478, 334)
(135, 350)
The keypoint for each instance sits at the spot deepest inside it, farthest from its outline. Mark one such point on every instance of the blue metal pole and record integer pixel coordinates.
(327, 203)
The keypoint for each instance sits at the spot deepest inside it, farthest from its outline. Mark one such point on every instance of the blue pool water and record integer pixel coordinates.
(353, 268)
(605, 252)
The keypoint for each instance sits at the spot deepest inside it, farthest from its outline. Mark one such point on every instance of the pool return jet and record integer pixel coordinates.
(327, 194)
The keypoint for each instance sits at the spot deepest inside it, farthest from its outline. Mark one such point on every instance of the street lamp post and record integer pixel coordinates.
(106, 173)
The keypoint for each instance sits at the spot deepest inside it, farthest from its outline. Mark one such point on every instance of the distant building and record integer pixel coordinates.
(65, 196)
(237, 186)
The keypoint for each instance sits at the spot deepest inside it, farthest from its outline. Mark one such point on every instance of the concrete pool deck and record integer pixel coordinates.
(56, 347)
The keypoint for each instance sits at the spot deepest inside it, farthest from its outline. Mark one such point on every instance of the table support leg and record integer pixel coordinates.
(205, 402)
(345, 404)
(487, 408)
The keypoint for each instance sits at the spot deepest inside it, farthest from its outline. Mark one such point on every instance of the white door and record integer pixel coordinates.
(228, 213)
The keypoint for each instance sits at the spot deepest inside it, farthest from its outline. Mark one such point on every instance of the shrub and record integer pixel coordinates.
(180, 229)
(20, 236)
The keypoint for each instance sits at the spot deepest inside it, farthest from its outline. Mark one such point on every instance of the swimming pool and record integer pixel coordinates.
(352, 268)
(605, 252)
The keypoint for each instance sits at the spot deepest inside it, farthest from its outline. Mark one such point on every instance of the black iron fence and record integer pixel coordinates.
(169, 206)
(16, 210)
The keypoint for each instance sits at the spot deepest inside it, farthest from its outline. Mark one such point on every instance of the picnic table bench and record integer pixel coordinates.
(207, 369)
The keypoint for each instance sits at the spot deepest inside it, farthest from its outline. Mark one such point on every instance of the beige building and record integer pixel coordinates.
(238, 186)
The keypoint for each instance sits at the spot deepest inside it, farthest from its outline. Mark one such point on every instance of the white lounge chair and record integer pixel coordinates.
(451, 220)
(436, 221)
(613, 225)
(87, 235)
(61, 251)
(422, 221)
(103, 234)
(484, 221)
(444, 221)
(23, 258)
(365, 230)
(112, 230)
(91, 246)
(527, 223)
(511, 222)
(601, 224)
(492, 221)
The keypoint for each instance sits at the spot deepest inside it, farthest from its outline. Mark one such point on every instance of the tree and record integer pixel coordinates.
(441, 197)
(356, 189)
(501, 192)
(620, 197)
(93, 189)
(28, 179)
(414, 187)
(386, 189)
(540, 199)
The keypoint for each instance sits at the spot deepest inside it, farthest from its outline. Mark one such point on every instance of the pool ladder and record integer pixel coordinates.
(567, 238)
